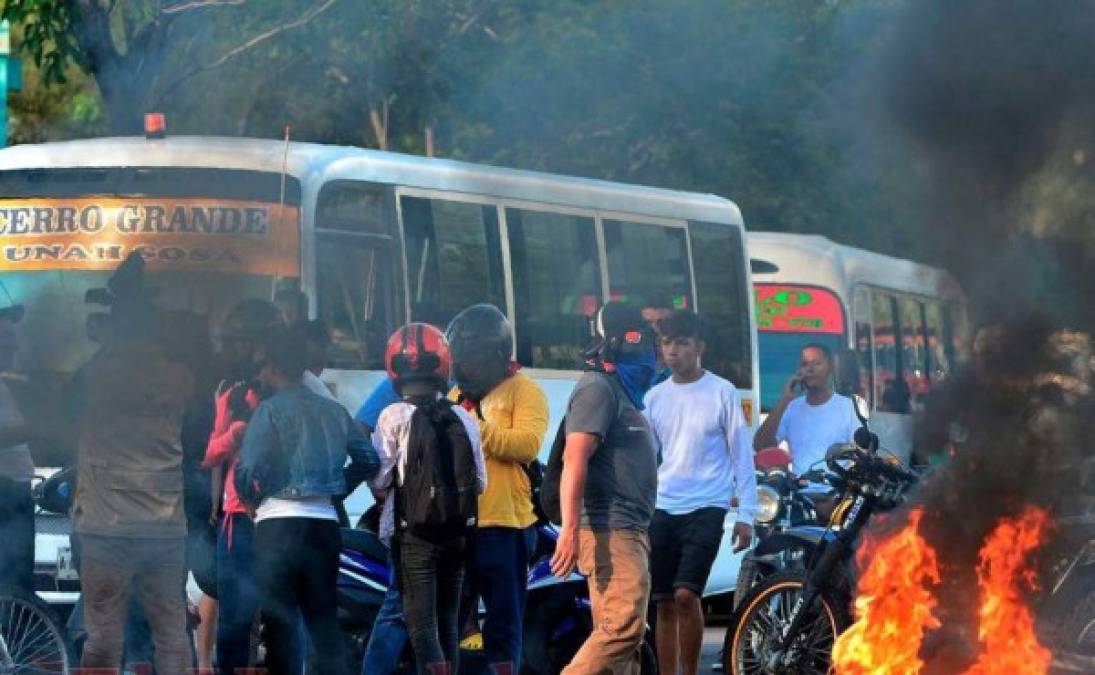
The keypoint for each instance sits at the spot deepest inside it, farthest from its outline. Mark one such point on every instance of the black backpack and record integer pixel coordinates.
(550, 508)
(439, 495)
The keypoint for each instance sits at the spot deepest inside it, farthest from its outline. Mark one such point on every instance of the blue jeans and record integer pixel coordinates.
(389, 635)
(499, 562)
(237, 593)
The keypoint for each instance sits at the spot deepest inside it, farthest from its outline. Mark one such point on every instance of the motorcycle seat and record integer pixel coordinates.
(364, 542)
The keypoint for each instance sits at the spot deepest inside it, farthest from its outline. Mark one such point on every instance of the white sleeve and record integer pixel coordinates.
(739, 442)
(476, 448)
(781, 430)
(386, 443)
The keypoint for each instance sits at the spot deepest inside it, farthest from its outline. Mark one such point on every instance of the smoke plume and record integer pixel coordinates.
(996, 101)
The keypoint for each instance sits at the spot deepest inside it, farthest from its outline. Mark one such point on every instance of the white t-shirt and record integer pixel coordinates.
(319, 508)
(809, 430)
(390, 440)
(706, 446)
(15, 461)
(315, 385)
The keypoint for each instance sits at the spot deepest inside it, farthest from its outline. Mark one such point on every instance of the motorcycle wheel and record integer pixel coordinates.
(554, 630)
(1073, 634)
(757, 623)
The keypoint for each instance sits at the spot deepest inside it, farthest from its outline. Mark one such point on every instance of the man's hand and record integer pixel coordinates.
(790, 391)
(565, 557)
(742, 537)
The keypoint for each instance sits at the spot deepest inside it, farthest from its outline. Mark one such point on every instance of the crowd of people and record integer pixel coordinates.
(239, 479)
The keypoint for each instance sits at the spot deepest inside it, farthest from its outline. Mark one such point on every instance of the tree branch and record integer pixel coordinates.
(273, 32)
(251, 43)
(199, 4)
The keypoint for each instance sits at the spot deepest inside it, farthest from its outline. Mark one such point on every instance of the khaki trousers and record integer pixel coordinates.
(617, 562)
(111, 570)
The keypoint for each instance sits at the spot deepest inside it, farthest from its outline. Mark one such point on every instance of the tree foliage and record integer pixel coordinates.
(756, 100)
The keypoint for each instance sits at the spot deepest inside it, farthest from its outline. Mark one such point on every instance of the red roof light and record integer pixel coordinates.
(155, 125)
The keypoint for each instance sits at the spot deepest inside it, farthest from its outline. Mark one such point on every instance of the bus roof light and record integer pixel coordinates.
(155, 125)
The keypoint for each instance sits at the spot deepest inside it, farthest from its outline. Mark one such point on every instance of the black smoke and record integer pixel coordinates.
(995, 101)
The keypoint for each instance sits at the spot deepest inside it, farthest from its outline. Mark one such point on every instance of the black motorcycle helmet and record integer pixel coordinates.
(619, 329)
(481, 340)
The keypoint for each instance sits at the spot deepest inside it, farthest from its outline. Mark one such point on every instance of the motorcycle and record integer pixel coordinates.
(1067, 608)
(557, 619)
(788, 623)
(782, 510)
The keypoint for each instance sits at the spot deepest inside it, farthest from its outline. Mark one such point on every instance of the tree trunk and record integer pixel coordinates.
(379, 121)
(430, 149)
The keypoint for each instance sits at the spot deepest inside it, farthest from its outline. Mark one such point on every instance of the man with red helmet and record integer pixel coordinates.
(431, 471)
(512, 414)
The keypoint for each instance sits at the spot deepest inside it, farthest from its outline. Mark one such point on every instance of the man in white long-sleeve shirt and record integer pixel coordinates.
(697, 418)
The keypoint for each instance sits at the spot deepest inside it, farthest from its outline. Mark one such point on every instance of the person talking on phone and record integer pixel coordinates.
(810, 416)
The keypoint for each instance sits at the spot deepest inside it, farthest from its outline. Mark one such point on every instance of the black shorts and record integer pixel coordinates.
(683, 549)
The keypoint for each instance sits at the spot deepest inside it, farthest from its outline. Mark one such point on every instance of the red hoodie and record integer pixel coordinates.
(224, 445)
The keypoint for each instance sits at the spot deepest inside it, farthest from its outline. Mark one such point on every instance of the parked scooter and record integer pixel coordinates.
(557, 618)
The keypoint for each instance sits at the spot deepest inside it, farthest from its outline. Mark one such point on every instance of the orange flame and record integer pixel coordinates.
(1008, 642)
(893, 606)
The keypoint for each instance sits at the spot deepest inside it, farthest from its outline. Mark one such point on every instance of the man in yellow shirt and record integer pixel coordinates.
(512, 413)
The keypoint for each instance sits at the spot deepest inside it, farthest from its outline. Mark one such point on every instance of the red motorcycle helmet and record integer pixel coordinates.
(418, 352)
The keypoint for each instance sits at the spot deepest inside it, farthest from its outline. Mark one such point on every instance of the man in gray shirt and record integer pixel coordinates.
(608, 489)
(16, 471)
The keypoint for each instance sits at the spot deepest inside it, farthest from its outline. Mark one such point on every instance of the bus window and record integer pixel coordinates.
(647, 261)
(721, 297)
(939, 361)
(914, 352)
(891, 389)
(454, 258)
(862, 312)
(556, 285)
(789, 317)
(355, 272)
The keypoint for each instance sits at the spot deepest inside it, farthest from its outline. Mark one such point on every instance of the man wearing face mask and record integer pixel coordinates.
(607, 490)
(512, 413)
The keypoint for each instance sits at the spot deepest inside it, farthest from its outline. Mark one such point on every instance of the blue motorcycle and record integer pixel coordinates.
(557, 619)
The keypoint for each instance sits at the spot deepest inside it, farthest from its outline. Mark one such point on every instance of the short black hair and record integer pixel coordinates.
(683, 323)
(316, 331)
(826, 353)
(657, 300)
(286, 350)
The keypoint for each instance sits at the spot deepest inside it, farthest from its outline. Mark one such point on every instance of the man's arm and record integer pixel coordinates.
(364, 461)
(522, 441)
(580, 446)
(745, 476)
(251, 468)
(767, 435)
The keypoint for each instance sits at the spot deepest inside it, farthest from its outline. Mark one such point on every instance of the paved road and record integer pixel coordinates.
(714, 634)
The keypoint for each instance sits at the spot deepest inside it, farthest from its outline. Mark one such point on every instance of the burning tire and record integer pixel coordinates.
(756, 625)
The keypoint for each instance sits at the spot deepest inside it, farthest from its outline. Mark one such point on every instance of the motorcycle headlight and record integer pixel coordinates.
(767, 504)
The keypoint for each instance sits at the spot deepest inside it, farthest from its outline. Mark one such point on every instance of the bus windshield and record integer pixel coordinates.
(210, 237)
(788, 318)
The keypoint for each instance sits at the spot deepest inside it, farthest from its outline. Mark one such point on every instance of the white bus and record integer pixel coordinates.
(904, 321)
(372, 238)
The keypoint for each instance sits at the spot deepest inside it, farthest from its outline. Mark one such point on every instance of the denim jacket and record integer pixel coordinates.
(296, 446)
